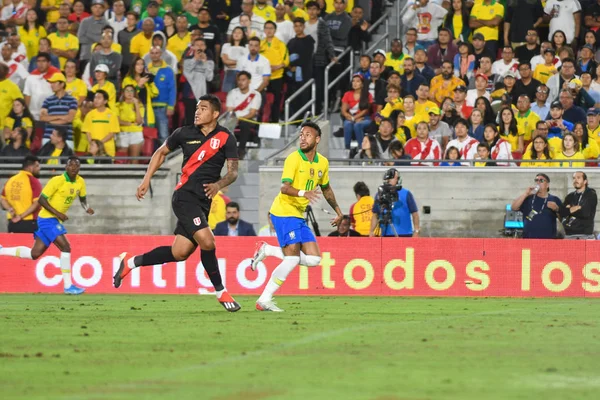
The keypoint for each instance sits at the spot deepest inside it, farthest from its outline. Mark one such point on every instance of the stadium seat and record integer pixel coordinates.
(121, 154)
(36, 140)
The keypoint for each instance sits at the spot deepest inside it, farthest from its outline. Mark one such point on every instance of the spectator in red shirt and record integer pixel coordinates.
(356, 109)
(78, 13)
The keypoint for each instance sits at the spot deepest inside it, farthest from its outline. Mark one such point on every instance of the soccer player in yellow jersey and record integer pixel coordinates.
(304, 172)
(56, 199)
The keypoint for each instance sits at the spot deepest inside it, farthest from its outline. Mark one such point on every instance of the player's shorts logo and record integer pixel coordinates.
(197, 221)
(214, 143)
(292, 235)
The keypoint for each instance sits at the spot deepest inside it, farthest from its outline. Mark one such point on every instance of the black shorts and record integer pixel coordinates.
(29, 226)
(191, 212)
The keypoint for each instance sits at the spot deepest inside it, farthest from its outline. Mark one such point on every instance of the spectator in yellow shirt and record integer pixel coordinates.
(141, 43)
(75, 86)
(277, 53)
(539, 150)
(9, 92)
(64, 44)
(393, 101)
(544, 71)
(178, 43)
(102, 123)
(130, 138)
(264, 10)
(570, 153)
(486, 18)
(19, 117)
(31, 33)
(587, 146)
(443, 85)
(50, 7)
(101, 73)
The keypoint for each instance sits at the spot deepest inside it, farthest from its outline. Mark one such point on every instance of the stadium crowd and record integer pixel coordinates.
(480, 80)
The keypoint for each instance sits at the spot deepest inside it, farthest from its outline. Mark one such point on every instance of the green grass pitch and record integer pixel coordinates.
(189, 347)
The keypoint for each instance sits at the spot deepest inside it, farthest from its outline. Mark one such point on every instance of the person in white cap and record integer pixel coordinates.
(101, 74)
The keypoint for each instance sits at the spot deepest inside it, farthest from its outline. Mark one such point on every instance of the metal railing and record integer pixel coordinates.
(385, 19)
(292, 142)
(311, 103)
(399, 8)
(366, 162)
(328, 85)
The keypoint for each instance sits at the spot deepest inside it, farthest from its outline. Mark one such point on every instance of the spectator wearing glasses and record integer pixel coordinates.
(521, 18)
(541, 105)
(410, 42)
(538, 151)
(540, 209)
(526, 85)
(593, 124)
(530, 49)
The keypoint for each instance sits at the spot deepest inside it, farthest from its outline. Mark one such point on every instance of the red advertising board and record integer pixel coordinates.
(350, 266)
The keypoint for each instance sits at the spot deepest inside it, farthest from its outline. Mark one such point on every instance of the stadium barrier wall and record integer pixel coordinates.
(350, 266)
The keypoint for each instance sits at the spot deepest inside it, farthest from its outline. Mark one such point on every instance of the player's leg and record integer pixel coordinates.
(309, 256)
(25, 252)
(208, 255)
(65, 265)
(290, 260)
(180, 250)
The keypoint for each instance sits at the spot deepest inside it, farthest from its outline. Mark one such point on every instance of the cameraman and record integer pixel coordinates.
(393, 198)
(579, 209)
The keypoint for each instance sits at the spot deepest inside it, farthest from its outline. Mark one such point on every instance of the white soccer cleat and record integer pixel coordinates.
(259, 254)
(267, 306)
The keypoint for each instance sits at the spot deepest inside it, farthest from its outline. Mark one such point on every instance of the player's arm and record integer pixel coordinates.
(211, 189)
(32, 208)
(330, 197)
(311, 195)
(7, 206)
(158, 158)
(86, 207)
(43, 200)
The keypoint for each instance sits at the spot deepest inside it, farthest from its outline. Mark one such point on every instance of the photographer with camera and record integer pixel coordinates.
(393, 208)
(539, 208)
(579, 209)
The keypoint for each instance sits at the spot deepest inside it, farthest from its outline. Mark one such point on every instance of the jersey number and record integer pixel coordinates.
(310, 185)
(69, 200)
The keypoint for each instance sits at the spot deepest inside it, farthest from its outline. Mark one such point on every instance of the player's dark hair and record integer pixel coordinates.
(233, 204)
(73, 158)
(361, 189)
(313, 125)
(346, 218)
(244, 73)
(214, 101)
(30, 160)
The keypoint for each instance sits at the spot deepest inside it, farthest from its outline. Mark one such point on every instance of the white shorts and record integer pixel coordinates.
(126, 139)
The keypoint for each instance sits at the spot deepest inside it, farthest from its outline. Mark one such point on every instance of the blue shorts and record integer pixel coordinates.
(292, 230)
(48, 230)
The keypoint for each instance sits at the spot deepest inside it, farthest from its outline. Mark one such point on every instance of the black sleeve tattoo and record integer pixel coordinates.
(231, 175)
(330, 197)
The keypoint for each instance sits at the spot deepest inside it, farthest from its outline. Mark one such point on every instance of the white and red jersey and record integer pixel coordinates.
(16, 73)
(467, 148)
(428, 150)
(500, 68)
(502, 151)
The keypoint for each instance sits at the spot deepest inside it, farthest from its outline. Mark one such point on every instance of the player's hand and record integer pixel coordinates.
(62, 217)
(16, 219)
(142, 190)
(211, 190)
(312, 195)
(336, 221)
(415, 234)
(90, 211)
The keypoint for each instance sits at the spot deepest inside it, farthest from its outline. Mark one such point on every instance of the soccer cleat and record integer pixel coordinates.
(259, 254)
(229, 302)
(74, 290)
(123, 270)
(267, 306)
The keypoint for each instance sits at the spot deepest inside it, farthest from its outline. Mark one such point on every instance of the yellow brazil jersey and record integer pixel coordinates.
(302, 175)
(77, 89)
(140, 44)
(512, 139)
(390, 106)
(298, 13)
(442, 88)
(9, 92)
(60, 192)
(109, 88)
(423, 108)
(487, 13)
(396, 63)
(361, 215)
(127, 113)
(101, 124)
(594, 134)
(267, 12)
(52, 16)
(26, 123)
(554, 146)
(54, 161)
(115, 47)
(543, 72)
(81, 143)
(178, 45)
(537, 164)
(591, 151)
(457, 24)
(218, 211)
(21, 190)
(64, 42)
(31, 40)
(277, 53)
(526, 124)
(577, 156)
(412, 122)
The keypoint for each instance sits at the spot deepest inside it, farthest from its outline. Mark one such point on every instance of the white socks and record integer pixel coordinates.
(309, 261)
(20, 252)
(278, 277)
(130, 263)
(65, 268)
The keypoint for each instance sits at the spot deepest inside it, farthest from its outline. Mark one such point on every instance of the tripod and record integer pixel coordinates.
(385, 220)
(310, 218)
